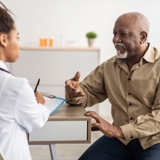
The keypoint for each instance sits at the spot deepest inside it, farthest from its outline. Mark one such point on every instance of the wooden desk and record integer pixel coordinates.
(67, 125)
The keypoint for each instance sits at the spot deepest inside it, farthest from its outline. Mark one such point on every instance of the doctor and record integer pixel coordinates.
(20, 110)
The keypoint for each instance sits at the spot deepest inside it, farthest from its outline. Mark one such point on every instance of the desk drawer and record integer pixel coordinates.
(61, 132)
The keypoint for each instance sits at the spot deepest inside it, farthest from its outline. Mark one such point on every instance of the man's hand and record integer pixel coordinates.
(72, 86)
(105, 127)
(39, 98)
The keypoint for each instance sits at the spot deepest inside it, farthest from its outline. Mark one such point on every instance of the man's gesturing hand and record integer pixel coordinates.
(105, 127)
(72, 86)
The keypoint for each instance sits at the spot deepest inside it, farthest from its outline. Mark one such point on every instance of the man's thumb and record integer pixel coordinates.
(77, 76)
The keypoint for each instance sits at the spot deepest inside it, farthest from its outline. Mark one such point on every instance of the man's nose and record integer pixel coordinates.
(117, 39)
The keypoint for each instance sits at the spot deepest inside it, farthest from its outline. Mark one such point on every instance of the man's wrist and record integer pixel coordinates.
(118, 133)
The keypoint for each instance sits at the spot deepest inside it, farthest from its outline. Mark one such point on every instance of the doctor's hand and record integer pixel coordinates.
(105, 127)
(39, 98)
(72, 86)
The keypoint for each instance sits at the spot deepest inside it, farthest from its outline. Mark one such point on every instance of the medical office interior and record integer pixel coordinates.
(56, 30)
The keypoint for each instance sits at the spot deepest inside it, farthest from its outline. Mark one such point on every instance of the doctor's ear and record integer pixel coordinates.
(3, 40)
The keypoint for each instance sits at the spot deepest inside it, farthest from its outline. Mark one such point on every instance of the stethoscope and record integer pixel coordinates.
(5, 70)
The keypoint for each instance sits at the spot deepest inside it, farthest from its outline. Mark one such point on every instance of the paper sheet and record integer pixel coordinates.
(53, 103)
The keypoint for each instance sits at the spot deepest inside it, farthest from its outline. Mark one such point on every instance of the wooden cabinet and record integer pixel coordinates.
(54, 66)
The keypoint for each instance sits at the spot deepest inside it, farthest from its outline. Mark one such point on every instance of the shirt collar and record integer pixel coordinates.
(2, 65)
(114, 59)
(150, 55)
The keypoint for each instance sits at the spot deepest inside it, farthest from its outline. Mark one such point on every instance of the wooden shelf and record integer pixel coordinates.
(61, 48)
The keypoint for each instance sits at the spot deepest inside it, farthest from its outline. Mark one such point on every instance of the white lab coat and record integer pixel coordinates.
(19, 113)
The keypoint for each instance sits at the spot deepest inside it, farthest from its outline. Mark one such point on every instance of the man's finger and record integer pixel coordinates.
(77, 76)
(94, 129)
(96, 125)
(68, 82)
(93, 115)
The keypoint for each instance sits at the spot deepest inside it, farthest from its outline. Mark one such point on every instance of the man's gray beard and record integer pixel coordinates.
(122, 56)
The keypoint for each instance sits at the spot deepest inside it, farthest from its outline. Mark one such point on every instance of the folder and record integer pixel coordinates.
(52, 102)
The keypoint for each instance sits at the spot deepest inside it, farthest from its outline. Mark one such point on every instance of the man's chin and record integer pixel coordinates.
(122, 56)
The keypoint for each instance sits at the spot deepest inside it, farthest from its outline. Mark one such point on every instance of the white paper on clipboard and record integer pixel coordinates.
(53, 103)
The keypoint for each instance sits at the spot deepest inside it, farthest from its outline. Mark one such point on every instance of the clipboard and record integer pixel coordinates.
(52, 102)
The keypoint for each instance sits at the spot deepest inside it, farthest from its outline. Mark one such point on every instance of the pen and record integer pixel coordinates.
(37, 85)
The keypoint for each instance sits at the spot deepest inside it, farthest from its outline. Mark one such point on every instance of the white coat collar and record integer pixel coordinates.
(2, 65)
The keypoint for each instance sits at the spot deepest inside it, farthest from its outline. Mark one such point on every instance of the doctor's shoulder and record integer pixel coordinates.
(16, 84)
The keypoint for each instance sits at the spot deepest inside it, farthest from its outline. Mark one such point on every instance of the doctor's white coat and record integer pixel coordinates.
(19, 113)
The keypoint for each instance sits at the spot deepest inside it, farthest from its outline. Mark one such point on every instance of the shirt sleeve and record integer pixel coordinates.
(28, 113)
(93, 87)
(145, 125)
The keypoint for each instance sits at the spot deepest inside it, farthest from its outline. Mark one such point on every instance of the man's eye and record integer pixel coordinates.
(123, 34)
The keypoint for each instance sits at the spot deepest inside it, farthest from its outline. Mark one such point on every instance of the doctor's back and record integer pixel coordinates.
(20, 111)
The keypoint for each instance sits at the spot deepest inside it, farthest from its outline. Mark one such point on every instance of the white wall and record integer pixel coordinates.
(36, 18)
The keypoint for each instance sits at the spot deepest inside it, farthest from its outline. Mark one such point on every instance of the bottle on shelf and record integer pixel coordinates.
(46, 42)
(41, 43)
(51, 42)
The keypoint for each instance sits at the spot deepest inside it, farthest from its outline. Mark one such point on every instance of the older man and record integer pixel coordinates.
(130, 80)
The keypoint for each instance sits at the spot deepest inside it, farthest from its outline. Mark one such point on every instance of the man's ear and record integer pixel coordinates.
(3, 40)
(143, 37)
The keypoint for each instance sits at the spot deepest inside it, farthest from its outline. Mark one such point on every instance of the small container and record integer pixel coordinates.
(41, 42)
(45, 42)
(51, 42)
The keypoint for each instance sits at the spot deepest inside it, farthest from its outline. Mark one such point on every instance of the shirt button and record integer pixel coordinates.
(129, 79)
(131, 118)
(130, 104)
(129, 93)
